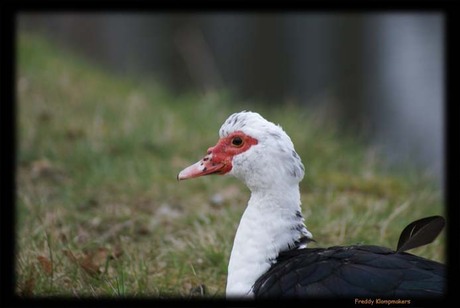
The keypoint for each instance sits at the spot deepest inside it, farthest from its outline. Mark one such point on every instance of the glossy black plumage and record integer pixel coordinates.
(359, 270)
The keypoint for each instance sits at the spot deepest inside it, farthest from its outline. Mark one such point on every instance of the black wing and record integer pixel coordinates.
(351, 271)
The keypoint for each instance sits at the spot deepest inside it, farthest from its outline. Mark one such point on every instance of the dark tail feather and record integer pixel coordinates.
(420, 232)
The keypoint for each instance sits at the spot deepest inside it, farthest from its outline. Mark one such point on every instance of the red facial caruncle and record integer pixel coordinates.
(219, 158)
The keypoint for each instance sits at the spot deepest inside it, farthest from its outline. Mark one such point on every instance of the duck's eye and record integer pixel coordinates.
(237, 141)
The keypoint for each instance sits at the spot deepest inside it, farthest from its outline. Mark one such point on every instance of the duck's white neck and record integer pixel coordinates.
(271, 223)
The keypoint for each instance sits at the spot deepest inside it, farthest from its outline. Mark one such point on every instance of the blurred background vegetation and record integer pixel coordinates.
(378, 74)
(111, 106)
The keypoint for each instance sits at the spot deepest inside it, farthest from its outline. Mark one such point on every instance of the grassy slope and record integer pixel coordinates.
(100, 212)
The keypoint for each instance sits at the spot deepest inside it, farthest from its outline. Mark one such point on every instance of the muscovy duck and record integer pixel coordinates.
(270, 257)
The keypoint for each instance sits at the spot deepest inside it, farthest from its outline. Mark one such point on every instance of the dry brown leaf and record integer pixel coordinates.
(87, 264)
(45, 264)
(93, 262)
(27, 288)
(99, 257)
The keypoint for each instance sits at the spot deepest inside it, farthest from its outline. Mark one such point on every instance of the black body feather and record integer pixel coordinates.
(358, 270)
(351, 271)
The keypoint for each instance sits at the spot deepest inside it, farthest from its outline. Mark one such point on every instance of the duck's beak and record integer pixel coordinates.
(205, 166)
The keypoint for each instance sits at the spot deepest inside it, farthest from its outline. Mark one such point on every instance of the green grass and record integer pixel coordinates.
(99, 210)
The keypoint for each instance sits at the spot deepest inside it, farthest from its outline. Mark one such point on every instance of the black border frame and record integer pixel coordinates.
(10, 10)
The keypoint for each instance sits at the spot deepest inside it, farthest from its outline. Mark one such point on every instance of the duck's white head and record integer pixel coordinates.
(252, 149)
